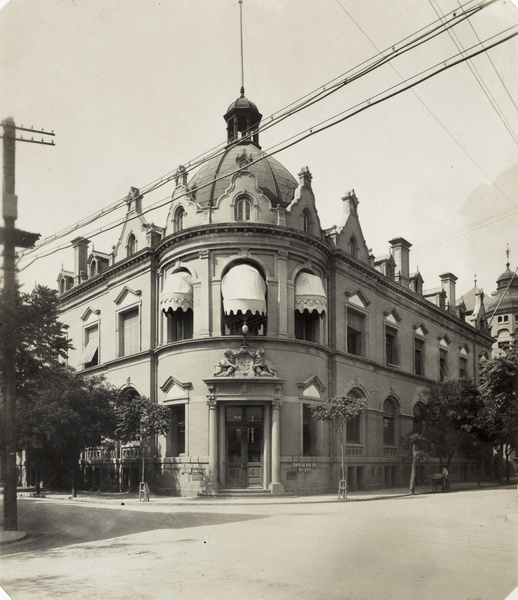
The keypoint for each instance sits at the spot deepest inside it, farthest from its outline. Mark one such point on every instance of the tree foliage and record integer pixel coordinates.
(64, 413)
(499, 393)
(140, 419)
(40, 339)
(338, 411)
(450, 414)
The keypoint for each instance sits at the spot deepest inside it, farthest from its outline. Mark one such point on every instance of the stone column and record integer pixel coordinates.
(282, 282)
(276, 487)
(212, 485)
(201, 291)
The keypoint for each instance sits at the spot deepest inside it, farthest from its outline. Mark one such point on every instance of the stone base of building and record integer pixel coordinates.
(276, 488)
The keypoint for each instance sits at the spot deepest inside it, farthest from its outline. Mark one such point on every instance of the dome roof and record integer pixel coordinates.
(505, 299)
(243, 102)
(213, 178)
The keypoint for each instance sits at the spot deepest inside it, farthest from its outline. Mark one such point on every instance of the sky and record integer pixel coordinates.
(134, 88)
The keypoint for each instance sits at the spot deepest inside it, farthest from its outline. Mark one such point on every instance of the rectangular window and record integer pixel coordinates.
(179, 325)
(418, 356)
(309, 432)
(176, 436)
(463, 367)
(129, 332)
(307, 326)
(391, 346)
(355, 333)
(91, 347)
(443, 365)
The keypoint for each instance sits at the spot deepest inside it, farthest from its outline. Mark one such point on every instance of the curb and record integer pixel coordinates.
(9, 537)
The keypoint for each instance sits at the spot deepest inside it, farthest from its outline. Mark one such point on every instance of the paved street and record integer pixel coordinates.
(460, 545)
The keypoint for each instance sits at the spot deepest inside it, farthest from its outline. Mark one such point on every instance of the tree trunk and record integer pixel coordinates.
(143, 459)
(344, 476)
(412, 472)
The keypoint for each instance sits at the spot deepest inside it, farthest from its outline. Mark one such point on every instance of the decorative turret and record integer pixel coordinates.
(243, 119)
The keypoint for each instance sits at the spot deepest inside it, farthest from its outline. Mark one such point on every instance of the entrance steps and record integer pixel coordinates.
(243, 493)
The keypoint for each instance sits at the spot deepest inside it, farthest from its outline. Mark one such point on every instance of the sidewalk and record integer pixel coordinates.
(244, 499)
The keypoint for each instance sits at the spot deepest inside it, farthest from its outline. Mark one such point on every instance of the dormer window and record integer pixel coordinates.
(353, 247)
(131, 246)
(306, 221)
(178, 221)
(93, 269)
(243, 209)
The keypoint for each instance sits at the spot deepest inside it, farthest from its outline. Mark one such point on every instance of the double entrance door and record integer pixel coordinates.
(244, 446)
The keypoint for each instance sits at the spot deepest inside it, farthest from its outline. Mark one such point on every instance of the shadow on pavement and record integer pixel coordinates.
(54, 525)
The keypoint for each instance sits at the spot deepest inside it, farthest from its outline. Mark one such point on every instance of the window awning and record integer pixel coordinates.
(243, 289)
(91, 347)
(177, 292)
(309, 293)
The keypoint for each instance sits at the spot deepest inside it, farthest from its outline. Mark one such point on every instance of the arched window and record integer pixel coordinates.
(389, 422)
(176, 302)
(178, 221)
(93, 268)
(310, 306)
(353, 426)
(243, 209)
(131, 246)
(306, 221)
(353, 247)
(243, 289)
(417, 411)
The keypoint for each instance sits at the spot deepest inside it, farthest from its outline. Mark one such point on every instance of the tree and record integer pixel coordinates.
(138, 418)
(450, 414)
(64, 413)
(41, 340)
(338, 411)
(415, 447)
(499, 393)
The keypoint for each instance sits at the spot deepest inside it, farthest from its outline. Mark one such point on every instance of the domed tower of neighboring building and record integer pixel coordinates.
(502, 310)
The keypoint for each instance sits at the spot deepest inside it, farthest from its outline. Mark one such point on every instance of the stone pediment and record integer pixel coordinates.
(244, 363)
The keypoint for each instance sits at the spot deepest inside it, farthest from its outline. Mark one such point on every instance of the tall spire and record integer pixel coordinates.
(242, 59)
(507, 254)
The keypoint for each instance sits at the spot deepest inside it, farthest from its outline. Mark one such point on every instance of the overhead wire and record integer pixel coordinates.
(446, 130)
(322, 126)
(479, 79)
(424, 34)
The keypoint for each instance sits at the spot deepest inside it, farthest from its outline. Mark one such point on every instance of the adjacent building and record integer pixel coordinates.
(241, 312)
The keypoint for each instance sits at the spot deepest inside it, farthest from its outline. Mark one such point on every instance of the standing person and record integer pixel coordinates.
(445, 480)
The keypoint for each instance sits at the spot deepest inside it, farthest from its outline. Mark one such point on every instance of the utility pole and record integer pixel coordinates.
(11, 238)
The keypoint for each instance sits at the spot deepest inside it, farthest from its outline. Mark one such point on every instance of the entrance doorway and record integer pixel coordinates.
(244, 446)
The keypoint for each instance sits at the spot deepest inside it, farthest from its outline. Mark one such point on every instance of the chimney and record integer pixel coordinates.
(80, 246)
(401, 254)
(448, 285)
(134, 200)
(350, 203)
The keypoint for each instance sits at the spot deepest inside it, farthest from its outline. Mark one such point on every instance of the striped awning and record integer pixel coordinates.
(243, 289)
(309, 293)
(177, 292)
(92, 346)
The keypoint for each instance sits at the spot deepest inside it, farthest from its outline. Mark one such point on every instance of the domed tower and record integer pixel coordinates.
(503, 310)
(243, 119)
(243, 183)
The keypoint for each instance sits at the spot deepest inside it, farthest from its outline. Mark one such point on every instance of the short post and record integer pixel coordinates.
(143, 493)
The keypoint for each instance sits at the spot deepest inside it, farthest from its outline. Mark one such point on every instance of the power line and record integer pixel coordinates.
(428, 108)
(322, 126)
(479, 79)
(384, 57)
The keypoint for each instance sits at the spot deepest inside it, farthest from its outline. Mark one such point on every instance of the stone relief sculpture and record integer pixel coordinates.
(245, 363)
(227, 366)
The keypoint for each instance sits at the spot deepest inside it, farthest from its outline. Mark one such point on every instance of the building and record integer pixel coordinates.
(502, 311)
(242, 312)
